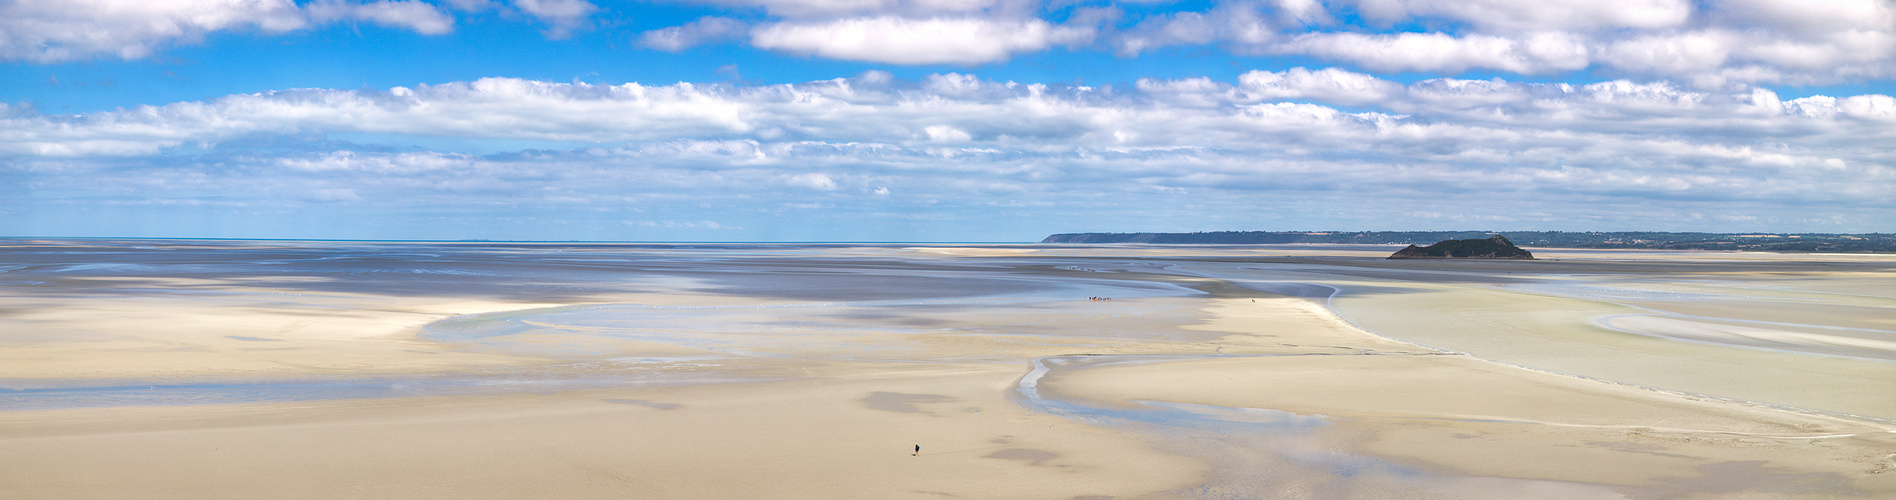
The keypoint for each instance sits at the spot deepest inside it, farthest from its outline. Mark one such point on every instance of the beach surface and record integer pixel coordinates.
(243, 369)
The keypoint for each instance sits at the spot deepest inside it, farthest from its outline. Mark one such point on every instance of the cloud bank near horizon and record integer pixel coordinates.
(1321, 149)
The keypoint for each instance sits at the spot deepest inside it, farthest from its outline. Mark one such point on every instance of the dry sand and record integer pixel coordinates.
(1475, 384)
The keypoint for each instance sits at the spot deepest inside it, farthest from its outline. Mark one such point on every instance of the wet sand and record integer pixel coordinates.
(814, 437)
(287, 369)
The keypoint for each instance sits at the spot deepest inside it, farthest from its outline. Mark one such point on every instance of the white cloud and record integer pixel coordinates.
(471, 5)
(945, 108)
(946, 134)
(562, 17)
(1688, 52)
(819, 182)
(389, 164)
(1330, 85)
(1810, 18)
(958, 85)
(49, 30)
(1305, 12)
(1515, 16)
(1874, 107)
(702, 31)
(1539, 53)
(672, 224)
(961, 40)
(1716, 58)
(414, 15)
(832, 9)
(1716, 45)
(957, 135)
(1192, 92)
(1623, 153)
(1460, 94)
(52, 31)
(1240, 24)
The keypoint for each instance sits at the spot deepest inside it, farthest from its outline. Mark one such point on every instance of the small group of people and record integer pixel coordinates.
(1100, 299)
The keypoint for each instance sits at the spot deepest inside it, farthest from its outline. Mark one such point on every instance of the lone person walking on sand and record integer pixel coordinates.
(918, 451)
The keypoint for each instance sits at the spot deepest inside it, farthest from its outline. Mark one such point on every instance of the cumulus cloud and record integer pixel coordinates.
(413, 15)
(1716, 57)
(705, 30)
(955, 40)
(1242, 24)
(832, 9)
(1540, 53)
(562, 17)
(944, 133)
(946, 108)
(1710, 45)
(1808, 18)
(472, 5)
(956, 140)
(53, 31)
(1513, 16)
(49, 31)
(1200, 92)
(398, 163)
(815, 181)
(1329, 85)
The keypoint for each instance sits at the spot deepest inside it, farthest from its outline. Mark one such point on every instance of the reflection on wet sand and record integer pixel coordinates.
(808, 371)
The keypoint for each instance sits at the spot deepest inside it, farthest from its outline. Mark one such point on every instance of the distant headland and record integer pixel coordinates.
(1756, 242)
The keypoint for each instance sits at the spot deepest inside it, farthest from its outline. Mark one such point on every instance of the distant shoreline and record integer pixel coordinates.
(1851, 243)
(1754, 242)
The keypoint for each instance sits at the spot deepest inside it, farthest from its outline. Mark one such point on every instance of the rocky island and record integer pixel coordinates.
(1497, 247)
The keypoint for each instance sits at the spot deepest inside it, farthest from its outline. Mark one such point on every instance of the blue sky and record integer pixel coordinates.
(940, 120)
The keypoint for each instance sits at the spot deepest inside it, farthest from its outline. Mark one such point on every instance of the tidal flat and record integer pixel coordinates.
(286, 369)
